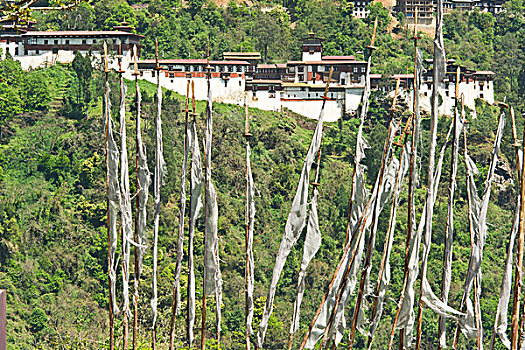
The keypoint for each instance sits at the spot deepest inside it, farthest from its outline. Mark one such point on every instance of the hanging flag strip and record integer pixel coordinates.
(447, 256)
(385, 278)
(478, 215)
(125, 202)
(197, 179)
(160, 173)
(144, 180)
(212, 272)
(113, 196)
(250, 221)
(294, 226)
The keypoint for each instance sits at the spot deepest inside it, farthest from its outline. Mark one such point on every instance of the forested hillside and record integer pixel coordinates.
(53, 240)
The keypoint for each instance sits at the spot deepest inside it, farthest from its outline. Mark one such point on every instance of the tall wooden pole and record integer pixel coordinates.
(471, 230)
(176, 287)
(371, 241)
(191, 229)
(137, 204)
(451, 189)
(207, 188)
(157, 187)
(411, 184)
(518, 282)
(430, 183)
(247, 135)
(110, 262)
(124, 248)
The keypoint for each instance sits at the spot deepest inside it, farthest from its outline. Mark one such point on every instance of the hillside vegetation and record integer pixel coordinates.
(53, 242)
(52, 208)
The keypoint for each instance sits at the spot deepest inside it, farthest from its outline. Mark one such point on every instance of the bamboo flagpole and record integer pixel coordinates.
(160, 173)
(249, 222)
(195, 208)
(371, 240)
(137, 203)
(518, 281)
(175, 304)
(206, 190)
(449, 235)
(125, 204)
(439, 70)
(212, 283)
(143, 182)
(111, 220)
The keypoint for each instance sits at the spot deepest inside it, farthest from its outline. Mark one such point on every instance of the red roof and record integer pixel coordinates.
(281, 65)
(484, 72)
(266, 66)
(195, 61)
(70, 33)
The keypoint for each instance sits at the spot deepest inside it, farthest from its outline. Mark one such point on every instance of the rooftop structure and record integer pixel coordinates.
(36, 48)
(252, 57)
(427, 7)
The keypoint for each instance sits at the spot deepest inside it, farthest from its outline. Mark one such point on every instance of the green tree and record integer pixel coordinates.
(35, 91)
(84, 70)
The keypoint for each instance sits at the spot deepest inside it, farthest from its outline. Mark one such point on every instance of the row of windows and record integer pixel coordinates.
(33, 41)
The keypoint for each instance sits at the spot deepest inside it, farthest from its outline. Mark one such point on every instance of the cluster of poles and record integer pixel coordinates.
(119, 204)
(354, 269)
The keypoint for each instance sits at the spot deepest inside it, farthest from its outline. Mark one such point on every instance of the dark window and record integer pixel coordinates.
(55, 50)
(56, 42)
(84, 41)
(16, 51)
(343, 82)
(45, 42)
(152, 73)
(172, 75)
(67, 42)
(37, 52)
(300, 69)
(480, 95)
